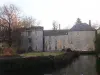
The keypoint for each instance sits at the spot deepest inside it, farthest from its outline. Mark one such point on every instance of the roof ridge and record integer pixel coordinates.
(82, 27)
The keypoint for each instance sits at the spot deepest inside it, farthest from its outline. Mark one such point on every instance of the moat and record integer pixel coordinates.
(84, 65)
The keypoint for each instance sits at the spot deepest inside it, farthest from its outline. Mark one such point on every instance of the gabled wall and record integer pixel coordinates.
(82, 40)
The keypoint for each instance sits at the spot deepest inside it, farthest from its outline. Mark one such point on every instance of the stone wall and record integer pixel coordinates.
(33, 39)
(53, 43)
(76, 40)
(81, 40)
(37, 40)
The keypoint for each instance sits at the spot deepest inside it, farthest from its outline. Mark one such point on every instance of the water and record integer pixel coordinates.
(85, 65)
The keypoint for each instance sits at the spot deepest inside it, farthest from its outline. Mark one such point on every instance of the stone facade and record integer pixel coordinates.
(55, 40)
(81, 40)
(80, 37)
(55, 43)
(32, 39)
(76, 40)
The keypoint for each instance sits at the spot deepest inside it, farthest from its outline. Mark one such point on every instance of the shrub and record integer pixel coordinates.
(97, 42)
(20, 51)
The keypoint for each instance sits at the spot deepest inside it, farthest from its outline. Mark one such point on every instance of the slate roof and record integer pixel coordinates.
(82, 27)
(55, 32)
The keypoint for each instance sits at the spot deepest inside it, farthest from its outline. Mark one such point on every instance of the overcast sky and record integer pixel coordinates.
(64, 12)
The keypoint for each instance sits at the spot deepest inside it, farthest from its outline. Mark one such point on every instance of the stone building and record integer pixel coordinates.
(55, 40)
(80, 37)
(32, 38)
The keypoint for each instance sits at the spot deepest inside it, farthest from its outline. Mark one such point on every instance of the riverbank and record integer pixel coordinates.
(35, 54)
(37, 64)
(87, 52)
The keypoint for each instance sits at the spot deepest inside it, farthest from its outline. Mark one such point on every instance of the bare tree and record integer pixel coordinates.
(9, 17)
(38, 23)
(28, 22)
(95, 25)
(78, 21)
(55, 25)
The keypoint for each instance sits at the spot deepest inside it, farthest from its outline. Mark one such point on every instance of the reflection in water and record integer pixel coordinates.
(85, 65)
(98, 65)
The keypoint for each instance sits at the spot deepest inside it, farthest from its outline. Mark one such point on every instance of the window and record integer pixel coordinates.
(67, 33)
(36, 33)
(29, 40)
(36, 48)
(77, 33)
(50, 43)
(29, 33)
(49, 47)
(55, 44)
(45, 45)
(71, 42)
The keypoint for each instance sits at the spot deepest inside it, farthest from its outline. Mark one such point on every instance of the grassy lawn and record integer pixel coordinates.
(41, 54)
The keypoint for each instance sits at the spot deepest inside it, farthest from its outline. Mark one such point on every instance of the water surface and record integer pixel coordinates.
(85, 65)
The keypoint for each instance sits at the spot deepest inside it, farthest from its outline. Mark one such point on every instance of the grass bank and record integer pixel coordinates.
(87, 52)
(35, 54)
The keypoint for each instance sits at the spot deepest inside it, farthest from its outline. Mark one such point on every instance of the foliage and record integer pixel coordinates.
(20, 51)
(97, 42)
(96, 25)
(55, 25)
(9, 15)
(78, 21)
(4, 46)
(27, 22)
(14, 50)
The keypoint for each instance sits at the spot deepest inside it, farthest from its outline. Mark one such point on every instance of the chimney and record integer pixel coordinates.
(90, 22)
(59, 26)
